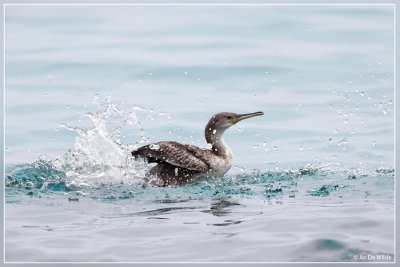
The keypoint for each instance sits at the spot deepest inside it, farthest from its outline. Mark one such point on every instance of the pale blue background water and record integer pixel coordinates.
(323, 75)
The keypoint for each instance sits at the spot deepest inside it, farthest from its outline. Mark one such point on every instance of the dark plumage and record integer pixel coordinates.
(181, 163)
(176, 162)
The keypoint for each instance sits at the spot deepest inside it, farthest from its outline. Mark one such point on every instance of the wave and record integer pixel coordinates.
(43, 176)
(99, 160)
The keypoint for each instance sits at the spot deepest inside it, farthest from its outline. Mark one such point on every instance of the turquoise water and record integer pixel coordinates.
(312, 180)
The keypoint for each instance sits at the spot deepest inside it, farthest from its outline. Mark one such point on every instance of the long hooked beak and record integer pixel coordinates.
(248, 116)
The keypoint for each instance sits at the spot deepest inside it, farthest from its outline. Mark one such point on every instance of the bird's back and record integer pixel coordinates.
(180, 155)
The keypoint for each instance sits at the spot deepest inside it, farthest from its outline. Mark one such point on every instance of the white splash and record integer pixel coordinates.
(98, 155)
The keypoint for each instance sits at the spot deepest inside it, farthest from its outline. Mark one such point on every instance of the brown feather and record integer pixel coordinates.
(176, 154)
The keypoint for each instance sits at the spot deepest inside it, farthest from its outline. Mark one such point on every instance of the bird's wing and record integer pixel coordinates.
(174, 153)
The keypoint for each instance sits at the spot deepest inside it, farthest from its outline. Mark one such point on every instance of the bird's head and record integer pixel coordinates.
(224, 120)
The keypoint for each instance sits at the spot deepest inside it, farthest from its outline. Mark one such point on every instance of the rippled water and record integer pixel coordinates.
(313, 179)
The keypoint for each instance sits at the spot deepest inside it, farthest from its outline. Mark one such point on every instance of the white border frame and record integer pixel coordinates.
(204, 4)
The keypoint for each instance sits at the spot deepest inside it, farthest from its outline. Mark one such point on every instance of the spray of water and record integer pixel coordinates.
(100, 160)
(98, 155)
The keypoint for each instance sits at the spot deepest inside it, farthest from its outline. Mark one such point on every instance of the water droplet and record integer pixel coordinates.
(256, 146)
(264, 143)
(362, 93)
(151, 74)
(67, 106)
(185, 72)
(239, 168)
(137, 108)
(301, 148)
(342, 142)
(164, 114)
(339, 111)
(154, 147)
(96, 99)
(374, 143)
(200, 103)
(275, 148)
(209, 146)
(214, 131)
(8, 149)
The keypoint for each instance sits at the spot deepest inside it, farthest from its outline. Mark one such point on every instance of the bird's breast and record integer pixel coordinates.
(220, 165)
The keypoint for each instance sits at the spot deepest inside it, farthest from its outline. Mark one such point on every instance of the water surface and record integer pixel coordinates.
(313, 179)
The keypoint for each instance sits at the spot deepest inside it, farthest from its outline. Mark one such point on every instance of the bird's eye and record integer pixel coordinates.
(229, 117)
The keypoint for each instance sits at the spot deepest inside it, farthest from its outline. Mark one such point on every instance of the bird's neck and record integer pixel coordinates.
(215, 138)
